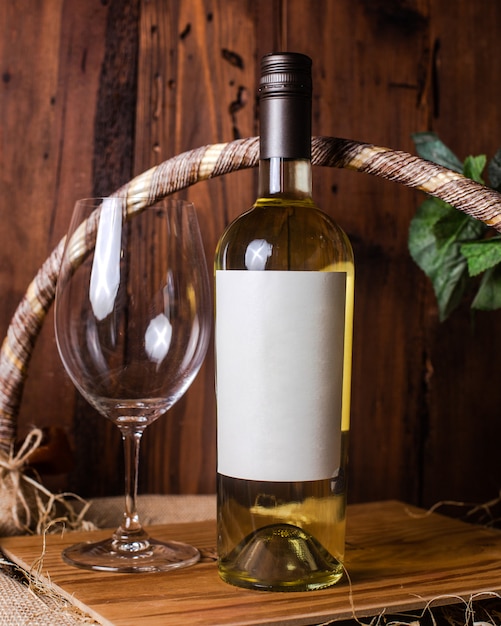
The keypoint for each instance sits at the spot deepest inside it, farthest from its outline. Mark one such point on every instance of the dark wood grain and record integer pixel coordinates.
(93, 93)
(51, 55)
(112, 143)
(462, 395)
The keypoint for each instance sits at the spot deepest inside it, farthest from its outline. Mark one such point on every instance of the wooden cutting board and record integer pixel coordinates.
(398, 558)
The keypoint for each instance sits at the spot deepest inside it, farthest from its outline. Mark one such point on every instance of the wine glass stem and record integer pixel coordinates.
(130, 531)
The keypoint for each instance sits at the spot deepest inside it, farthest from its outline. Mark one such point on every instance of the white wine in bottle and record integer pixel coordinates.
(284, 317)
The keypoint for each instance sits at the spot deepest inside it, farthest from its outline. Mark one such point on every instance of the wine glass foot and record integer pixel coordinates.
(158, 556)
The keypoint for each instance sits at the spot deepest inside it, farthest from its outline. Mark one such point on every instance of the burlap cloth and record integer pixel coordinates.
(21, 605)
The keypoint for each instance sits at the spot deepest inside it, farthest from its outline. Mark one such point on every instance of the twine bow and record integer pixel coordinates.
(15, 462)
(32, 507)
(12, 466)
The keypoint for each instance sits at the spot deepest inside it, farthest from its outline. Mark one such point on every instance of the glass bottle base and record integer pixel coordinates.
(153, 556)
(280, 557)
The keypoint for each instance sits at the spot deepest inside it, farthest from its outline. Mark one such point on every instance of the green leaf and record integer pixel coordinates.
(435, 237)
(431, 148)
(422, 238)
(488, 296)
(482, 255)
(474, 166)
(457, 226)
(449, 246)
(446, 270)
(494, 171)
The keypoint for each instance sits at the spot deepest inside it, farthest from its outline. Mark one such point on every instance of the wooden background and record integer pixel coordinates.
(94, 92)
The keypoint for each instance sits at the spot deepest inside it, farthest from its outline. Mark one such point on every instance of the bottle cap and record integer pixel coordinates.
(285, 73)
(285, 90)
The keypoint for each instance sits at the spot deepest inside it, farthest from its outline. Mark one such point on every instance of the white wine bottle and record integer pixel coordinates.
(284, 316)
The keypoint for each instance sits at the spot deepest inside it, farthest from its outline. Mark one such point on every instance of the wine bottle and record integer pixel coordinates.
(284, 315)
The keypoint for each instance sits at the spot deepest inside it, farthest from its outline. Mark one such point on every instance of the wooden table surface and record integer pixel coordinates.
(398, 558)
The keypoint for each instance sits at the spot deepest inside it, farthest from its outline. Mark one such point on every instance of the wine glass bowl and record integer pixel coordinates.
(132, 321)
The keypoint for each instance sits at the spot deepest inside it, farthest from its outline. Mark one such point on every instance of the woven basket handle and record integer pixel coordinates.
(200, 164)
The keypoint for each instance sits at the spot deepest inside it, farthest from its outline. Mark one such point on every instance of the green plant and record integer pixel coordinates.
(459, 254)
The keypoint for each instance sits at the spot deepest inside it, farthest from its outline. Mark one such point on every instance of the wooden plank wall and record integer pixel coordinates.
(94, 92)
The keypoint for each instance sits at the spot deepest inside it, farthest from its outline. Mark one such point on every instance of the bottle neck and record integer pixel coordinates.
(285, 146)
(287, 178)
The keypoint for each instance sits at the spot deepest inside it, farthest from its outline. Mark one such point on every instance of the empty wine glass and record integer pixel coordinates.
(132, 320)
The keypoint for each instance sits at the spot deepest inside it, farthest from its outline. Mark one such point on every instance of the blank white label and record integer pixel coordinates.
(279, 373)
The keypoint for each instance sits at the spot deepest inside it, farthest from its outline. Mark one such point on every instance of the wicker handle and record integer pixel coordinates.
(200, 164)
